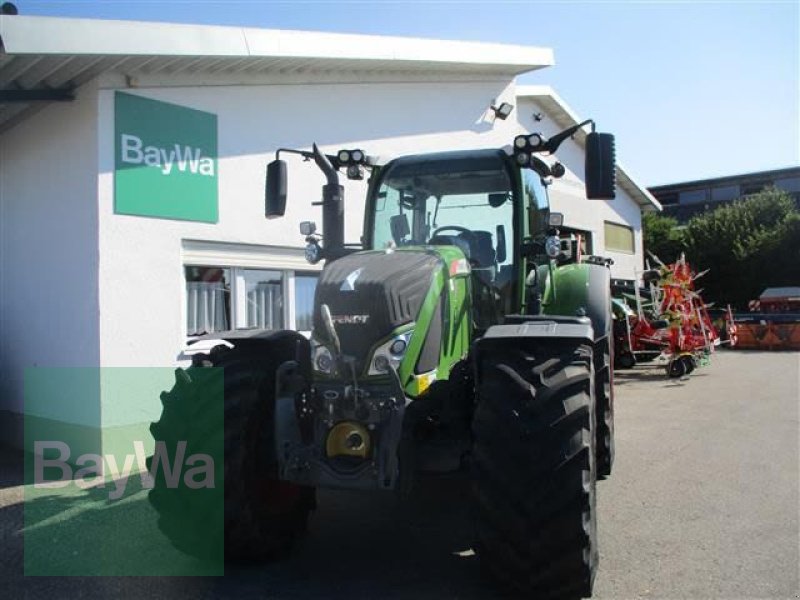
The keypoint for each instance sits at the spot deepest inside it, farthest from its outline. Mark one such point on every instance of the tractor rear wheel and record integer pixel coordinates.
(260, 516)
(604, 398)
(534, 467)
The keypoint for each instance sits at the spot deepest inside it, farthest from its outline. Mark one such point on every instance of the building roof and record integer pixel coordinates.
(564, 117)
(753, 176)
(43, 54)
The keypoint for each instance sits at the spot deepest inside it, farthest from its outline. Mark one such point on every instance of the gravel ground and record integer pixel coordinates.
(703, 503)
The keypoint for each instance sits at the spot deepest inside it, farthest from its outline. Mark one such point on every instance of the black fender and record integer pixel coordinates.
(531, 329)
(287, 344)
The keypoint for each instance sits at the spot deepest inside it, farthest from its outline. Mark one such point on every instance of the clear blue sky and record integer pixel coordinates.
(691, 89)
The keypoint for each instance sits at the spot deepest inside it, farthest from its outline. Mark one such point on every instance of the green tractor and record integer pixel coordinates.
(457, 336)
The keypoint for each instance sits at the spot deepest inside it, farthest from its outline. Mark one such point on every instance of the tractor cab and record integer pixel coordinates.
(478, 202)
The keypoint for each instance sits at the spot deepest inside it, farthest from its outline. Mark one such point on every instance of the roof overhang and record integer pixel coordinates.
(48, 53)
(564, 117)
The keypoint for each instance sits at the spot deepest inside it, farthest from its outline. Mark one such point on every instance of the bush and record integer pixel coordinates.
(662, 236)
(749, 245)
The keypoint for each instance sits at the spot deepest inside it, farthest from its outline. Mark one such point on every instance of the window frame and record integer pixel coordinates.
(238, 295)
(630, 229)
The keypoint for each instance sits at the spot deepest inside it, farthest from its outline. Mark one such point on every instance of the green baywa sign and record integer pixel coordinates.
(165, 159)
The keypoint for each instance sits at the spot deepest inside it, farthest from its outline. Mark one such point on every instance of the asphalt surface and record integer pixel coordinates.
(703, 503)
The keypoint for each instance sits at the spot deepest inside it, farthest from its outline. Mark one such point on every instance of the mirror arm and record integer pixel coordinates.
(554, 142)
(334, 161)
(540, 167)
(303, 153)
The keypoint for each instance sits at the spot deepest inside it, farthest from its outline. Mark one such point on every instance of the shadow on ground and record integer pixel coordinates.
(358, 545)
(653, 375)
(11, 467)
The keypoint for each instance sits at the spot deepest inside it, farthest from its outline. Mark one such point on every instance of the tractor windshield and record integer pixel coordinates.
(451, 199)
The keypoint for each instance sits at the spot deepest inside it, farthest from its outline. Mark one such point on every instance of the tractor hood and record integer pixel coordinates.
(372, 293)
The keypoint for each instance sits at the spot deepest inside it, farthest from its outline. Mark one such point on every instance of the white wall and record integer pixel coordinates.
(568, 195)
(60, 237)
(142, 292)
(48, 243)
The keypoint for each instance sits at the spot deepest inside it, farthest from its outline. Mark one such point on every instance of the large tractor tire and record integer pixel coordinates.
(260, 516)
(534, 469)
(604, 398)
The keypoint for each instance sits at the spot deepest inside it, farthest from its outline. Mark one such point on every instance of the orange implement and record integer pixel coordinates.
(769, 332)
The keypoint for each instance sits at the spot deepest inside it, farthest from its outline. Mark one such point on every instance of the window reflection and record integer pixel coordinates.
(208, 299)
(224, 298)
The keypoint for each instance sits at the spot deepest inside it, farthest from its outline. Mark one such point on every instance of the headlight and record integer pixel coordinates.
(398, 347)
(390, 354)
(552, 246)
(381, 363)
(322, 359)
(535, 140)
(313, 253)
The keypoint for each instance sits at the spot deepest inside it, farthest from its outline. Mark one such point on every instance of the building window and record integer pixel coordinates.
(208, 299)
(263, 292)
(223, 298)
(667, 198)
(619, 238)
(305, 286)
(724, 193)
(748, 189)
(693, 196)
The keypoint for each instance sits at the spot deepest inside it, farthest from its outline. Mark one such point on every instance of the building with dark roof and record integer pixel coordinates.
(685, 199)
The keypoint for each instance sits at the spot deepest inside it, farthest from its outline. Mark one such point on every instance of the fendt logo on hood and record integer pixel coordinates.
(350, 319)
(349, 283)
(165, 160)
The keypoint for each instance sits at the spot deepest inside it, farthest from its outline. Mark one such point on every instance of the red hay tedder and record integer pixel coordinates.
(671, 323)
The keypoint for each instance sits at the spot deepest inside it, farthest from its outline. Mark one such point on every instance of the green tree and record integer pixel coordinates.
(748, 245)
(662, 236)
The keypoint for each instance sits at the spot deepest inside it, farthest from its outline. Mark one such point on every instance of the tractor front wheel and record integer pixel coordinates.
(260, 516)
(604, 399)
(534, 466)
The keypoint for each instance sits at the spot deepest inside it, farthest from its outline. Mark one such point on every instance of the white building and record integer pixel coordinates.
(612, 229)
(103, 266)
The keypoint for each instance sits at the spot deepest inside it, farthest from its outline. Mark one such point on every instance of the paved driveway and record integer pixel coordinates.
(703, 503)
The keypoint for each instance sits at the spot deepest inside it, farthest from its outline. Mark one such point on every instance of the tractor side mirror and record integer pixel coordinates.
(275, 193)
(600, 166)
